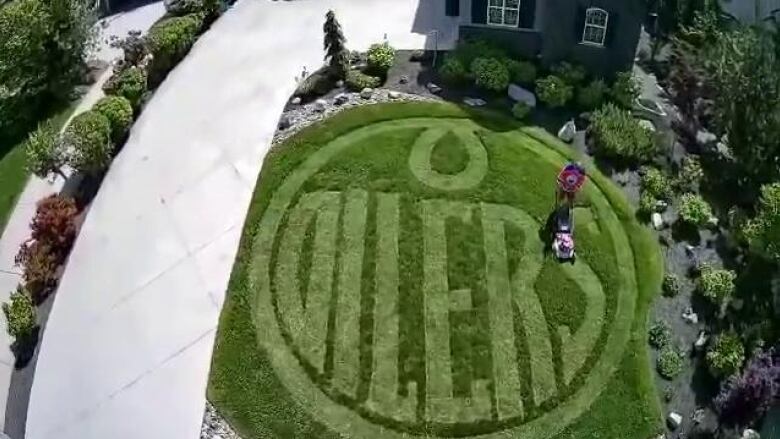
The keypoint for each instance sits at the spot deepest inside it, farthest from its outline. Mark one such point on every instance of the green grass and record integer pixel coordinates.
(408, 290)
(14, 174)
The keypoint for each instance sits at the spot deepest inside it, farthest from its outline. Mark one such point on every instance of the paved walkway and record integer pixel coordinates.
(18, 228)
(127, 348)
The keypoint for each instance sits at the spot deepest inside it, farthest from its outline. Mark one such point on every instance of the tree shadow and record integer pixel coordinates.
(685, 232)
(24, 349)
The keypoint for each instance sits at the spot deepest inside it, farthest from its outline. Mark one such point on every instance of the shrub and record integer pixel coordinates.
(617, 135)
(625, 90)
(44, 151)
(357, 81)
(592, 96)
(694, 210)
(647, 203)
(316, 84)
(572, 74)
(469, 50)
(660, 335)
(726, 355)
(521, 110)
(656, 183)
(490, 74)
(521, 72)
(690, 175)
(119, 112)
(39, 268)
(671, 285)
(88, 138)
(54, 223)
(130, 83)
(716, 285)
(20, 315)
(453, 71)
(554, 91)
(380, 58)
(761, 231)
(132, 46)
(746, 398)
(670, 362)
(169, 40)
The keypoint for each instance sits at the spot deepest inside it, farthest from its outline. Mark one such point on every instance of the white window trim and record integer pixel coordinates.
(503, 9)
(587, 25)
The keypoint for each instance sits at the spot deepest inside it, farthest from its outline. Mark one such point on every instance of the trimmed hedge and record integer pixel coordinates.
(490, 74)
(129, 83)
(169, 40)
(89, 138)
(119, 113)
(357, 81)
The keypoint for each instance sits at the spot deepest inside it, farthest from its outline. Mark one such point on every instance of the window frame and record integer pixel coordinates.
(503, 8)
(605, 27)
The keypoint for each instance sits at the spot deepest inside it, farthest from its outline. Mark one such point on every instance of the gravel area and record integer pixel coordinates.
(215, 426)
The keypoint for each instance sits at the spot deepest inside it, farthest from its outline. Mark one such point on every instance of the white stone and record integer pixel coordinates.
(341, 98)
(704, 137)
(702, 340)
(393, 95)
(750, 434)
(339, 83)
(320, 105)
(474, 102)
(367, 93)
(433, 88)
(647, 124)
(674, 420)
(520, 94)
(657, 220)
(296, 101)
(567, 131)
(690, 316)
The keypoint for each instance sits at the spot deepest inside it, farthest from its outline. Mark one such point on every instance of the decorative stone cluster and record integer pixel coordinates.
(214, 426)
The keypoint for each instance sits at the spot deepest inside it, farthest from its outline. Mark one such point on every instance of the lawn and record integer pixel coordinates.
(393, 281)
(13, 171)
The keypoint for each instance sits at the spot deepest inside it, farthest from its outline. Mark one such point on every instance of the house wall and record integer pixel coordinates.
(518, 42)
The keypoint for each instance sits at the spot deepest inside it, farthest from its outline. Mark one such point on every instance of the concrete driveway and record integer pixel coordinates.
(127, 347)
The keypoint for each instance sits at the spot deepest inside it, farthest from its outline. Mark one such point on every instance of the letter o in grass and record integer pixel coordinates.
(320, 372)
(420, 160)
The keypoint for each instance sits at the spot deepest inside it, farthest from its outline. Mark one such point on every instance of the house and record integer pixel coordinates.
(602, 35)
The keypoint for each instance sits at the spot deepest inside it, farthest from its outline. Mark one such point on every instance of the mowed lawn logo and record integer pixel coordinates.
(367, 351)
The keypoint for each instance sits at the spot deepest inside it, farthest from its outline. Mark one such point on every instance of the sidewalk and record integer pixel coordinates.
(18, 228)
(127, 347)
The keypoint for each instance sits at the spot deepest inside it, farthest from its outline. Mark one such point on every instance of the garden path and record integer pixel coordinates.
(127, 346)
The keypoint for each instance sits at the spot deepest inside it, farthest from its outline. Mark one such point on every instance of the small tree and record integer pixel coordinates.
(45, 154)
(20, 315)
(335, 49)
(746, 398)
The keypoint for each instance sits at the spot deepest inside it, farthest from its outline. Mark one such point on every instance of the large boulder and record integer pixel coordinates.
(568, 131)
(520, 94)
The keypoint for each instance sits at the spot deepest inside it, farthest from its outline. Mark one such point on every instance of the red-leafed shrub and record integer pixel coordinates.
(55, 224)
(39, 264)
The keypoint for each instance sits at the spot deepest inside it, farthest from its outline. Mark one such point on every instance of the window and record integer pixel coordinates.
(596, 21)
(504, 12)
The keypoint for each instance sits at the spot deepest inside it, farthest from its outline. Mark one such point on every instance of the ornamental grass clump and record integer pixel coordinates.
(717, 285)
(380, 58)
(660, 335)
(617, 135)
(670, 362)
(694, 210)
(726, 355)
(44, 150)
(554, 91)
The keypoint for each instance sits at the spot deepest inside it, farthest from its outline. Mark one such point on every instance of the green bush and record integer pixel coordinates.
(726, 356)
(572, 74)
(660, 335)
(469, 50)
(670, 362)
(20, 315)
(169, 40)
(761, 232)
(119, 113)
(357, 81)
(380, 58)
(625, 90)
(717, 285)
(617, 135)
(554, 91)
(44, 151)
(490, 74)
(130, 83)
(316, 84)
(671, 286)
(592, 96)
(521, 72)
(690, 175)
(521, 110)
(88, 138)
(656, 183)
(694, 210)
(648, 203)
(453, 71)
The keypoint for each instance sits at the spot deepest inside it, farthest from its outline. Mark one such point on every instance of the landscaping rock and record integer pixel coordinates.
(285, 122)
(417, 56)
(367, 93)
(296, 101)
(657, 220)
(690, 317)
(339, 83)
(474, 102)
(403, 79)
(674, 420)
(647, 124)
(214, 426)
(393, 95)
(698, 416)
(320, 105)
(341, 99)
(520, 94)
(704, 137)
(568, 131)
(701, 341)
(750, 434)
(433, 88)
